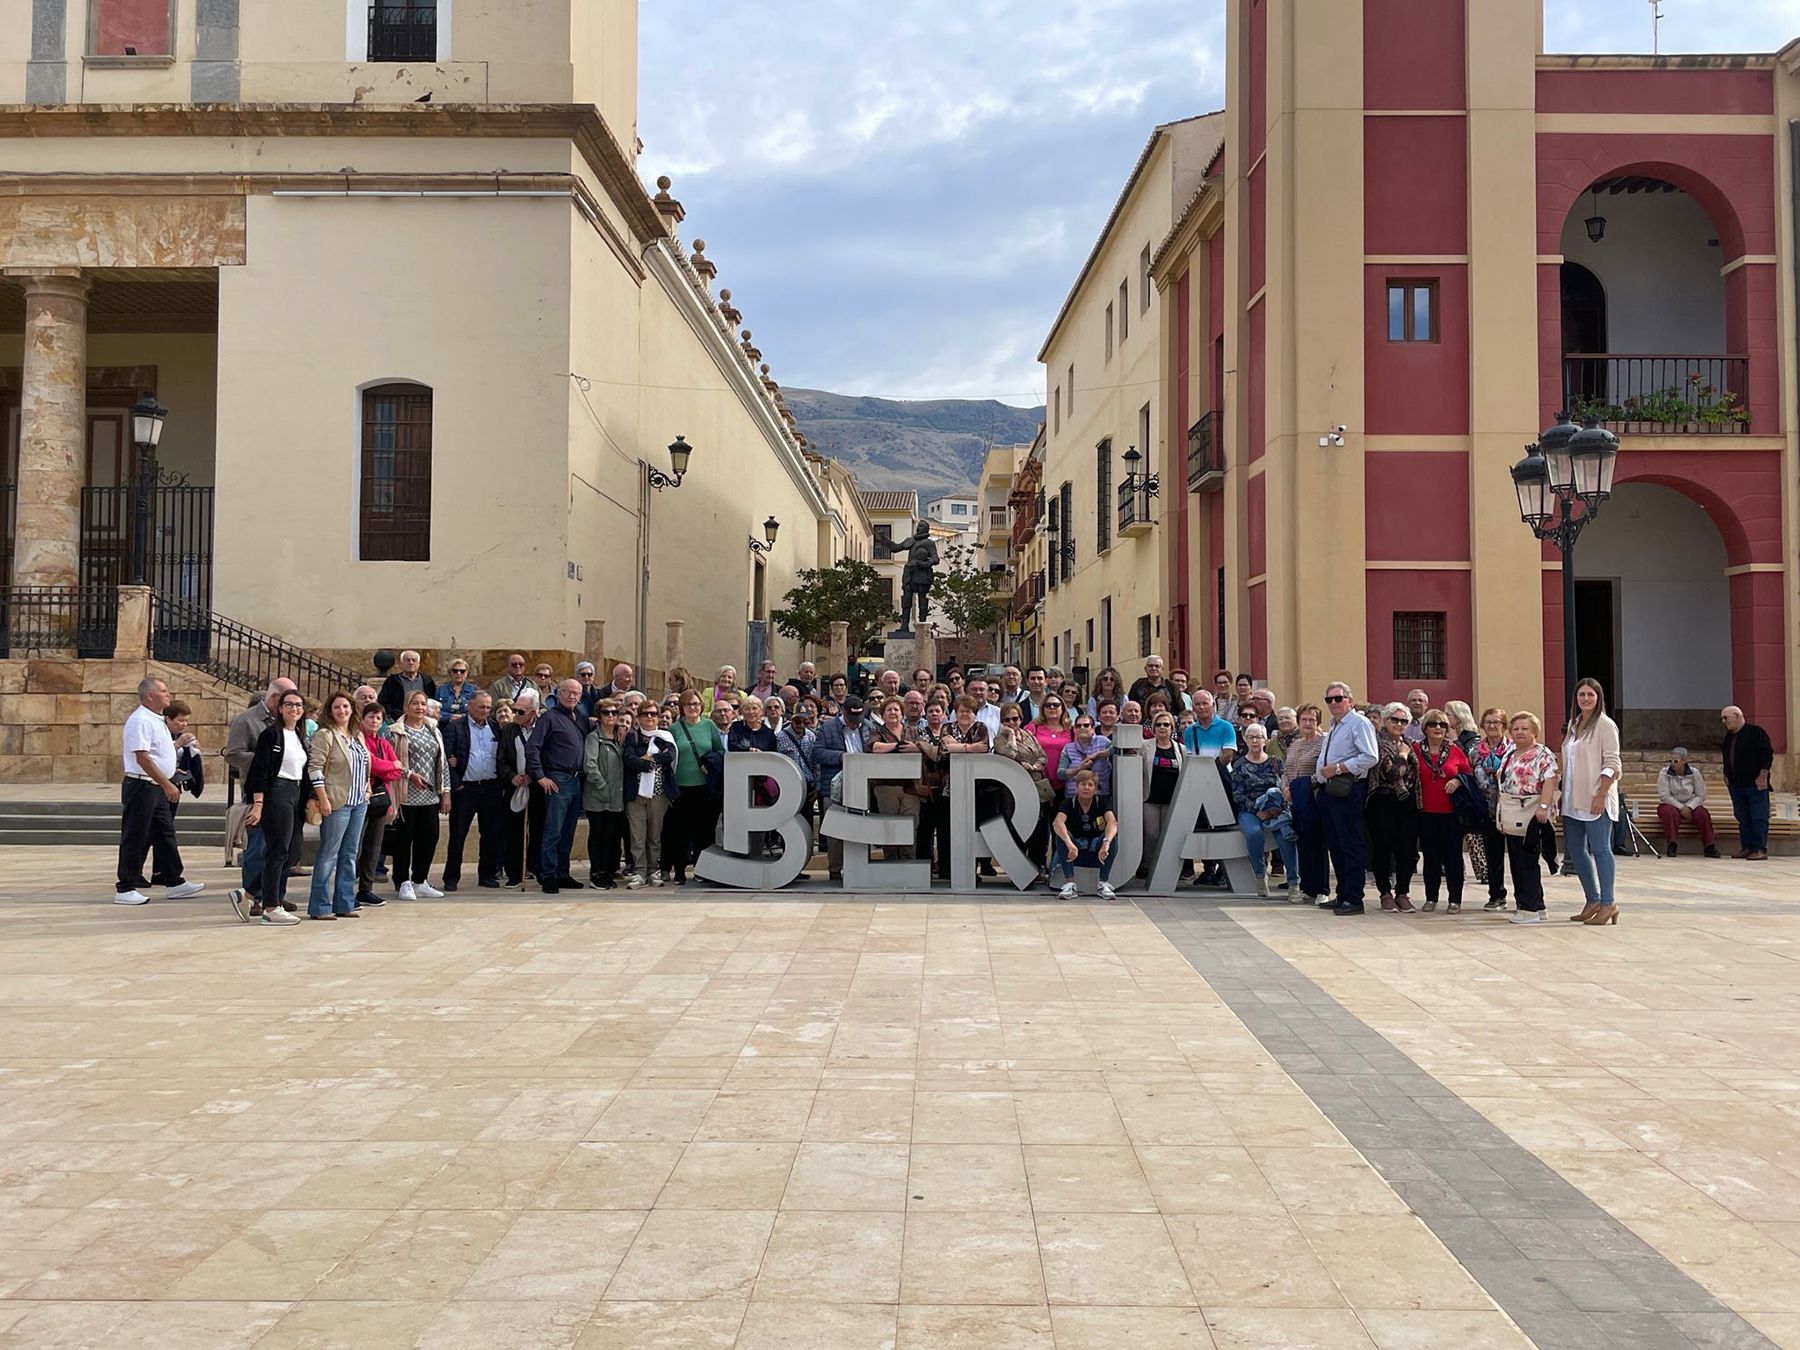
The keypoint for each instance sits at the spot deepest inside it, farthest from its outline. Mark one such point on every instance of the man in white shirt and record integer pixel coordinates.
(148, 797)
(988, 714)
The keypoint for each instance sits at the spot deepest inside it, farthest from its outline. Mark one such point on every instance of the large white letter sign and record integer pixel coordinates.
(1130, 781)
(858, 830)
(729, 866)
(1200, 788)
(966, 773)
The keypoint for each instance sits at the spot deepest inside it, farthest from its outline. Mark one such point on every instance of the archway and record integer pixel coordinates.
(1654, 610)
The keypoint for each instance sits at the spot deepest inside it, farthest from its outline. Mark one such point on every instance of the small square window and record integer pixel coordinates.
(1419, 644)
(1412, 311)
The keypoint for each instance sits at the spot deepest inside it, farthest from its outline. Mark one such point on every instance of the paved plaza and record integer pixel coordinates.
(833, 1122)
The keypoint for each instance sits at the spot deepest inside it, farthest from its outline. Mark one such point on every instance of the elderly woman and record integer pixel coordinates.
(724, 683)
(691, 817)
(1297, 768)
(425, 795)
(1681, 796)
(1017, 742)
(1485, 755)
(1162, 773)
(1527, 781)
(1441, 766)
(1287, 731)
(1392, 810)
(1255, 775)
(1090, 751)
(893, 737)
(934, 809)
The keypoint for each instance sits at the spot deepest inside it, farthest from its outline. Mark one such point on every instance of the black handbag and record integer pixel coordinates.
(1341, 786)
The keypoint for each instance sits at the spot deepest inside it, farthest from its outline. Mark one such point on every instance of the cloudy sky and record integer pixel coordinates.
(899, 194)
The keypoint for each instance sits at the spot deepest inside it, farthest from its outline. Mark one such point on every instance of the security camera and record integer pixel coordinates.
(1337, 435)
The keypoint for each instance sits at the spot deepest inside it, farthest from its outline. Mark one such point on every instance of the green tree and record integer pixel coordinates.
(965, 594)
(850, 590)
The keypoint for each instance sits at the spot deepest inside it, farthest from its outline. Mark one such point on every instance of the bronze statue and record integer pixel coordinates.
(915, 580)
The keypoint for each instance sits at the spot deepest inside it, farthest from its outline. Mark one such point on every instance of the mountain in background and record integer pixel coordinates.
(932, 446)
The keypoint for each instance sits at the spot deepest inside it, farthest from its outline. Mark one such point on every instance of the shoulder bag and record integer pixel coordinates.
(1515, 813)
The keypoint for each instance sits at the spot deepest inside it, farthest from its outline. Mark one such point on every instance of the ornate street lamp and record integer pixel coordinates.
(147, 417)
(679, 450)
(771, 527)
(1150, 485)
(1562, 483)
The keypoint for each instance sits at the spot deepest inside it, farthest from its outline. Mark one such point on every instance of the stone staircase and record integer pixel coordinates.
(65, 824)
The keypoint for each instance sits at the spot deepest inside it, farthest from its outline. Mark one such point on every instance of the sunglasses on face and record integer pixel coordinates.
(1437, 726)
(1337, 698)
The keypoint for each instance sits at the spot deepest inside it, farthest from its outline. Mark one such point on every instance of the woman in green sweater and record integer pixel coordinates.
(694, 815)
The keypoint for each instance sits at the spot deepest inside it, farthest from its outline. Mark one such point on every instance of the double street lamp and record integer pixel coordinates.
(1562, 483)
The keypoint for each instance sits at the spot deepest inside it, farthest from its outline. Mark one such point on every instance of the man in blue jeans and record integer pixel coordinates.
(1341, 788)
(553, 759)
(1748, 758)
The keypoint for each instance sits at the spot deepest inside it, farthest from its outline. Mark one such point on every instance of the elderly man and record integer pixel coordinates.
(1681, 796)
(1263, 700)
(921, 680)
(403, 683)
(623, 680)
(1346, 758)
(514, 682)
(838, 736)
(914, 702)
(1132, 714)
(240, 748)
(988, 714)
(148, 798)
(806, 679)
(767, 683)
(888, 682)
(1211, 736)
(1153, 681)
(477, 793)
(1417, 702)
(553, 760)
(1748, 759)
(1224, 700)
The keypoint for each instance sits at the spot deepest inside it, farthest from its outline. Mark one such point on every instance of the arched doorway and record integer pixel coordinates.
(1584, 325)
(1654, 615)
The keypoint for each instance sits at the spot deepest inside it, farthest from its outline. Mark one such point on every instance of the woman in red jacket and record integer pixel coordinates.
(1440, 761)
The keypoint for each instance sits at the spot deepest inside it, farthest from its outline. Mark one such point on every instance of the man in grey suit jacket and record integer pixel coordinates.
(838, 736)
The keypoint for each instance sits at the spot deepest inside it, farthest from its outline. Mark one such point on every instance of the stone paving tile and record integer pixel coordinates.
(814, 1120)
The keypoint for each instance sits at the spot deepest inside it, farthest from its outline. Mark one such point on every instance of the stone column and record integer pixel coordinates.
(52, 427)
(840, 650)
(133, 640)
(675, 646)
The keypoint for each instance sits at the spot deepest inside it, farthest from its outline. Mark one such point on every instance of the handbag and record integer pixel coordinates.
(1515, 813)
(1340, 786)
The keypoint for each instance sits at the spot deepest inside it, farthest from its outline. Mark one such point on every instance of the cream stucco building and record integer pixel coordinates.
(1103, 598)
(426, 355)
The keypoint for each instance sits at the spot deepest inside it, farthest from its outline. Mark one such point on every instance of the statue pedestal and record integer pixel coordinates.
(907, 654)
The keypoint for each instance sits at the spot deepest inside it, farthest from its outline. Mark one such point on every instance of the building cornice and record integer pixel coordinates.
(683, 285)
(1679, 61)
(1198, 220)
(579, 123)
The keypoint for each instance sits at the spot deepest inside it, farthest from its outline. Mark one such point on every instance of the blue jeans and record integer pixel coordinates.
(1587, 848)
(1258, 836)
(1751, 807)
(255, 850)
(1087, 854)
(334, 869)
(562, 811)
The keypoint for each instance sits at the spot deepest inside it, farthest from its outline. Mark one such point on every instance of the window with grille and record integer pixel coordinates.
(1068, 530)
(396, 473)
(884, 541)
(1103, 494)
(403, 30)
(1419, 644)
(1143, 635)
(1054, 571)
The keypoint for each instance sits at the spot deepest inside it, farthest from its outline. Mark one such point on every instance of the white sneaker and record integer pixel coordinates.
(185, 889)
(278, 916)
(424, 890)
(635, 882)
(656, 878)
(1526, 916)
(404, 891)
(1068, 891)
(130, 898)
(239, 904)
(1262, 886)
(1298, 897)
(1107, 892)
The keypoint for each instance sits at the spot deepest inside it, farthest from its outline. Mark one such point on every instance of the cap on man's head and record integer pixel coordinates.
(853, 704)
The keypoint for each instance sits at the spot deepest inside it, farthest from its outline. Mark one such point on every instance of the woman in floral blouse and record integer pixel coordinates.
(1393, 810)
(1528, 770)
(1017, 742)
(1254, 774)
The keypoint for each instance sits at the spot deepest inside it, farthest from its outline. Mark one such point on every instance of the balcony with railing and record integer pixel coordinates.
(1664, 395)
(1135, 514)
(1026, 596)
(1206, 453)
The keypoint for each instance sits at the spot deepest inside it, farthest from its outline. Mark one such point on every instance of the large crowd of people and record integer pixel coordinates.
(1333, 799)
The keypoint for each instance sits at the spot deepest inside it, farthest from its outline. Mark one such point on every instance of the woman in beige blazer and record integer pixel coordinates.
(1590, 800)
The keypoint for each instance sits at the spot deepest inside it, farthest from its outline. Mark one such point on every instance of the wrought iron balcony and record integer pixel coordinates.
(1206, 453)
(1659, 394)
(1135, 516)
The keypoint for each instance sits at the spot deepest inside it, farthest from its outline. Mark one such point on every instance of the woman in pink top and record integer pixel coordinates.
(1053, 730)
(384, 772)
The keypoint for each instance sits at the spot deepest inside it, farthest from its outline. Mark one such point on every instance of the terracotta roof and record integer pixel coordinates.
(878, 500)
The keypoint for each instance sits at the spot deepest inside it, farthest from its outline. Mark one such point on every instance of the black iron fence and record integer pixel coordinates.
(403, 32)
(1134, 503)
(178, 552)
(1205, 451)
(59, 621)
(190, 635)
(9, 506)
(1660, 394)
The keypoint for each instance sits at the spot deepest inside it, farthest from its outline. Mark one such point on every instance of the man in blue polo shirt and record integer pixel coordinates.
(1210, 737)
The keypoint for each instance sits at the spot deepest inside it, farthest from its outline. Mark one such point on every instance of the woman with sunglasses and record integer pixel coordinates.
(1485, 758)
(1108, 684)
(1441, 761)
(1392, 810)
(1054, 730)
(276, 788)
(1162, 772)
(453, 697)
(1018, 743)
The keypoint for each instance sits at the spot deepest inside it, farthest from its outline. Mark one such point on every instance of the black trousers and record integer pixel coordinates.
(415, 835)
(281, 837)
(373, 847)
(534, 830)
(1393, 841)
(688, 831)
(1309, 836)
(480, 803)
(1441, 838)
(1546, 842)
(1493, 847)
(146, 823)
(606, 834)
(1342, 818)
(1522, 852)
(934, 825)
